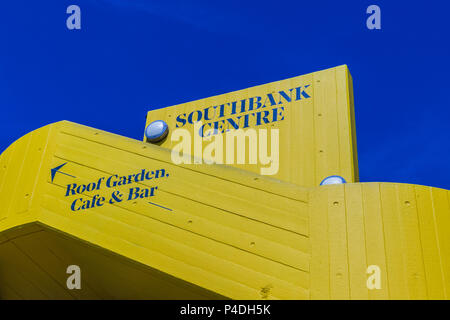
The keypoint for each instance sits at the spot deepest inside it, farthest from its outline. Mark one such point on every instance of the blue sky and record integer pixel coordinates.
(134, 55)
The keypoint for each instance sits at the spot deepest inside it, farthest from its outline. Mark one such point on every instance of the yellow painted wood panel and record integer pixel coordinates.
(271, 209)
(441, 205)
(430, 245)
(357, 258)
(338, 244)
(33, 280)
(317, 132)
(185, 245)
(231, 233)
(375, 243)
(43, 258)
(411, 233)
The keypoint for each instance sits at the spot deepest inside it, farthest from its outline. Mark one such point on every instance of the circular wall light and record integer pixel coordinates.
(156, 131)
(332, 180)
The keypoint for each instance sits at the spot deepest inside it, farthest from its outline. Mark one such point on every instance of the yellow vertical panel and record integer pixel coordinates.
(337, 241)
(320, 251)
(316, 133)
(395, 243)
(442, 224)
(326, 128)
(11, 188)
(33, 281)
(353, 126)
(291, 146)
(411, 233)
(356, 242)
(285, 143)
(22, 286)
(39, 249)
(373, 226)
(25, 180)
(31, 170)
(430, 245)
(51, 280)
(194, 258)
(303, 146)
(5, 180)
(52, 252)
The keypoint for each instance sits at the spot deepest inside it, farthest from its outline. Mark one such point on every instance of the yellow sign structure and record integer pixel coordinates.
(139, 226)
(313, 113)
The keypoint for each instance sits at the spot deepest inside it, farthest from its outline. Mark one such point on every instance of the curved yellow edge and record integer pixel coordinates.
(214, 232)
